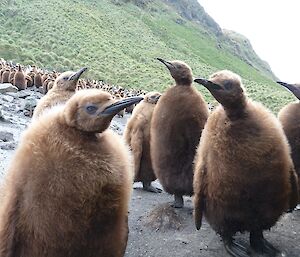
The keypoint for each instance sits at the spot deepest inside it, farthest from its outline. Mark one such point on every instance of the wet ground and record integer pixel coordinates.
(159, 230)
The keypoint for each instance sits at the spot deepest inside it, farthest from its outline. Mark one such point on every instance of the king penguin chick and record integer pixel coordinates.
(244, 177)
(137, 136)
(19, 79)
(289, 116)
(68, 186)
(64, 87)
(176, 126)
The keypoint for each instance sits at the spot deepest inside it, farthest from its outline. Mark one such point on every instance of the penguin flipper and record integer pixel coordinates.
(199, 199)
(294, 197)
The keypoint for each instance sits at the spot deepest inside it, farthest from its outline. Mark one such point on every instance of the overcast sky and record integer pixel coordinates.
(273, 27)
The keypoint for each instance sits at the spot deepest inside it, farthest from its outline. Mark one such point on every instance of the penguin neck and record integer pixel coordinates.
(183, 83)
(237, 110)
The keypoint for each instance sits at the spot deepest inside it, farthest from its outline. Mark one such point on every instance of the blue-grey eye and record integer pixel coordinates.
(91, 109)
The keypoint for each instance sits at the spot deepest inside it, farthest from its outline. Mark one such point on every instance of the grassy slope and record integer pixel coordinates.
(119, 44)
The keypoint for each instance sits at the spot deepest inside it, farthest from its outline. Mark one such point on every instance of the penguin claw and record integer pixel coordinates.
(152, 189)
(236, 250)
(178, 201)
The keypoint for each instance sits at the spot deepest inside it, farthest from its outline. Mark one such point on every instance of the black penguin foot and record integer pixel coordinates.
(235, 249)
(261, 245)
(149, 188)
(178, 201)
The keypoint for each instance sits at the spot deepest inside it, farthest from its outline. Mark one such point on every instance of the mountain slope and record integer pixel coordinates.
(119, 41)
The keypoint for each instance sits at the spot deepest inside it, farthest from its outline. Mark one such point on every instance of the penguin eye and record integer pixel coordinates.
(91, 109)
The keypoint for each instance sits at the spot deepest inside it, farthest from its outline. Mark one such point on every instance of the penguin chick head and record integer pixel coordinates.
(226, 87)
(68, 80)
(294, 88)
(91, 110)
(152, 97)
(180, 71)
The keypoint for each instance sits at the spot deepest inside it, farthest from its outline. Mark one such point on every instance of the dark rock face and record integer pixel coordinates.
(193, 11)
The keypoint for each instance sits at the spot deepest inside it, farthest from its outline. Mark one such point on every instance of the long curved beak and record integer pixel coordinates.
(168, 64)
(208, 84)
(293, 88)
(77, 75)
(120, 105)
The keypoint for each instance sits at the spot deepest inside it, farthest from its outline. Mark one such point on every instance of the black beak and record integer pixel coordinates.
(77, 75)
(168, 64)
(120, 105)
(208, 84)
(294, 89)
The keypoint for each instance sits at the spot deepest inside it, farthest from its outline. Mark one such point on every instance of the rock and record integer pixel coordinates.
(29, 106)
(7, 98)
(23, 94)
(6, 136)
(7, 87)
(8, 145)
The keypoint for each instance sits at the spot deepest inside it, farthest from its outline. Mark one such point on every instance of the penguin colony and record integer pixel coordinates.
(239, 162)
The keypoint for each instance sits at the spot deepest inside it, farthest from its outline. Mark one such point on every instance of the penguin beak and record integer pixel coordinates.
(168, 64)
(77, 75)
(208, 84)
(120, 105)
(294, 89)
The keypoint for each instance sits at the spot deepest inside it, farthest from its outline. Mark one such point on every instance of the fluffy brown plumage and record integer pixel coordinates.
(69, 184)
(5, 76)
(289, 116)
(37, 81)
(19, 79)
(176, 127)
(63, 88)
(244, 176)
(137, 136)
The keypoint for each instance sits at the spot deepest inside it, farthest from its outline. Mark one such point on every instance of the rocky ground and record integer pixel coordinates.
(156, 229)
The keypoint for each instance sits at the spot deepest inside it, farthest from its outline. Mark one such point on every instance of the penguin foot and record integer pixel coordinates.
(149, 188)
(178, 201)
(235, 249)
(261, 245)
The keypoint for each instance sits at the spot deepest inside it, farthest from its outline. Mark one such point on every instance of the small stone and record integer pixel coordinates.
(8, 145)
(23, 94)
(7, 87)
(7, 98)
(6, 136)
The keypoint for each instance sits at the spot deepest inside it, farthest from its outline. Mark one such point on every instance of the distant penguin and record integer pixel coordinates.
(122, 112)
(137, 136)
(12, 75)
(37, 81)
(5, 76)
(19, 79)
(64, 87)
(289, 116)
(29, 81)
(244, 177)
(177, 123)
(69, 184)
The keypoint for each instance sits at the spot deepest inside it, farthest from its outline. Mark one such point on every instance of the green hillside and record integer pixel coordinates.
(119, 40)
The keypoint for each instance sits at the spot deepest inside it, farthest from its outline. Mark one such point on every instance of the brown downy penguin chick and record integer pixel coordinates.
(5, 76)
(244, 176)
(19, 79)
(289, 116)
(176, 126)
(69, 184)
(137, 136)
(63, 88)
(29, 81)
(12, 75)
(37, 81)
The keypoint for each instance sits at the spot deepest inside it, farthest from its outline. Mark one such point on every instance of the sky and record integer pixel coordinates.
(273, 28)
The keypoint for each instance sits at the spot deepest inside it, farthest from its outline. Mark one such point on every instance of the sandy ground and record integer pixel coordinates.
(159, 230)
